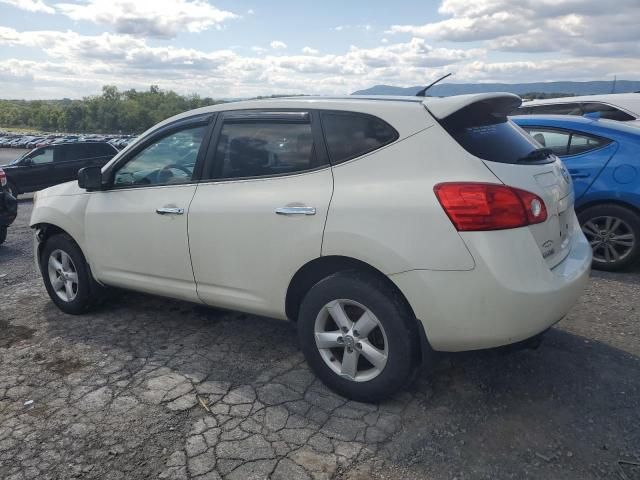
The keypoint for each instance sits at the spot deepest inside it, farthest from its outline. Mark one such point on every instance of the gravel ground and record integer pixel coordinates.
(154, 388)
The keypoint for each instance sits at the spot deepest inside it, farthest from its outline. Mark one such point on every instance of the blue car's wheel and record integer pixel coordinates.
(614, 234)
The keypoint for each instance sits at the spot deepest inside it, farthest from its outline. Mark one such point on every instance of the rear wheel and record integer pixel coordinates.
(614, 234)
(3, 234)
(66, 275)
(358, 336)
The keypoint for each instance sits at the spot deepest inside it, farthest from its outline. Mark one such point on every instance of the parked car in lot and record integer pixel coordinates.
(8, 207)
(623, 107)
(385, 227)
(54, 164)
(603, 158)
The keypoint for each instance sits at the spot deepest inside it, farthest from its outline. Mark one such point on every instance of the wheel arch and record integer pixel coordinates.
(44, 231)
(596, 202)
(317, 269)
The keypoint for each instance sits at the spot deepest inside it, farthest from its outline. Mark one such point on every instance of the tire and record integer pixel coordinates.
(87, 291)
(614, 234)
(3, 234)
(395, 334)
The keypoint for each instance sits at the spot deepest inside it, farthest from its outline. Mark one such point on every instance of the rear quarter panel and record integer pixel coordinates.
(384, 211)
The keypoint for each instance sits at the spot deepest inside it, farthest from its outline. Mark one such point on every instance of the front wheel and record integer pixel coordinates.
(358, 335)
(614, 234)
(66, 275)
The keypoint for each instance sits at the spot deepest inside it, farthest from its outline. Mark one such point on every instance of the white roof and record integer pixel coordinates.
(626, 101)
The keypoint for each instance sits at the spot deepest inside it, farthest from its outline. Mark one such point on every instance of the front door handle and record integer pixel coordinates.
(295, 211)
(169, 211)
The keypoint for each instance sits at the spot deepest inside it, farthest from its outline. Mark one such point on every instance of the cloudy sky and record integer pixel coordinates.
(237, 48)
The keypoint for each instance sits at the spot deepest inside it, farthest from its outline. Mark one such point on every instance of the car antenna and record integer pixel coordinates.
(422, 92)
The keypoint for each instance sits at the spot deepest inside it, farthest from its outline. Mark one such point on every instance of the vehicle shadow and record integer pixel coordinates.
(569, 409)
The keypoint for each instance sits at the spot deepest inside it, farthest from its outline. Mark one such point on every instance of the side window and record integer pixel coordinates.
(583, 143)
(70, 152)
(555, 109)
(352, 135)
(553, 139)
(170, 159)
(43, 156)
(607, 111)
(254, 148)
(102, 150)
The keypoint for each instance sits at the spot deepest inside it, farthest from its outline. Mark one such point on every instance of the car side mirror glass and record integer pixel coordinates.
(90, 178)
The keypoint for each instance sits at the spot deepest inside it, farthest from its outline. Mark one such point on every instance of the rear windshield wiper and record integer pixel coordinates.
(537, 154)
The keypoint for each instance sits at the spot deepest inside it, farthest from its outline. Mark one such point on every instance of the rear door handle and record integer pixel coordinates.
(169, 211)
(295, 211)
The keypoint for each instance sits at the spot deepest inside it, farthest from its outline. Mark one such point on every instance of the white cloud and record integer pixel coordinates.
(149, 18)
(278, 45)
(250, 11)
(74, 64)
(572, 27)
(365, 27)
(30, 5)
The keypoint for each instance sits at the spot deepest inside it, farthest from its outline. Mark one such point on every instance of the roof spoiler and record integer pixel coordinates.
(499, 103)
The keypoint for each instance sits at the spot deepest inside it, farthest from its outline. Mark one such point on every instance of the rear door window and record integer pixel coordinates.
(265, 144)
(565, 142)
(557, 141)
(350, 135)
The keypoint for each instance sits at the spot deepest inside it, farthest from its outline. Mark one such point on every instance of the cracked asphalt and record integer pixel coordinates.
(153, 388)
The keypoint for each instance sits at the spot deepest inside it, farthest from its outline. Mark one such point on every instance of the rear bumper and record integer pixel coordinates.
(510, 296)
(8, 209)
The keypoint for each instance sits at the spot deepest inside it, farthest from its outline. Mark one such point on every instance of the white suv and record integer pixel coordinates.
(385, 228)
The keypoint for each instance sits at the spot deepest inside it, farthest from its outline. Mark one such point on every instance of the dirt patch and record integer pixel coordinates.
(64, 366)
(10, 334)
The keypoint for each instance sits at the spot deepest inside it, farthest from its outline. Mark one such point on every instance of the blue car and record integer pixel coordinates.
(603, 158)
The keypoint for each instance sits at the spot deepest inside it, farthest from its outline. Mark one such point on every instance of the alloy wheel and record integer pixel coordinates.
(351, 340)
(63, 275)
(611, 238)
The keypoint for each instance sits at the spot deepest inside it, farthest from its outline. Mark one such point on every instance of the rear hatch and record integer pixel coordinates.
(479, 123)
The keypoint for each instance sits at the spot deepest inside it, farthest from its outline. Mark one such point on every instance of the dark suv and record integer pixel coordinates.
(47, 166)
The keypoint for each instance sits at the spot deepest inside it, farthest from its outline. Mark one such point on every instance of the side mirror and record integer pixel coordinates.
(26, 161)
(90, 178)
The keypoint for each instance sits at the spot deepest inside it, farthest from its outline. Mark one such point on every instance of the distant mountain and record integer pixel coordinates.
(447, 89)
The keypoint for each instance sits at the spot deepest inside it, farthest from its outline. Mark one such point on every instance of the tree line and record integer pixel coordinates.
(113, 111)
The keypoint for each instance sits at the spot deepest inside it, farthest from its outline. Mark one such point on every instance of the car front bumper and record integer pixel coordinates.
(511, 294)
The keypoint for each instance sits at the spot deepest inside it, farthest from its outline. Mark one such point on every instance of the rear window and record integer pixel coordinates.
(350, 135)
(607, 111)
(492, 137)
(550, 109)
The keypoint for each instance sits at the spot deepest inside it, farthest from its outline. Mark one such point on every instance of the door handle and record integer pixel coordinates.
(169, 211)
(295, 211)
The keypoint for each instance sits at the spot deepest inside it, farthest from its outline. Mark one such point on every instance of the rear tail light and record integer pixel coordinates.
(489, 206)
(3, 178)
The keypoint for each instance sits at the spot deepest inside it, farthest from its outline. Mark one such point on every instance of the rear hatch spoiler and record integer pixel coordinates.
(498, 103)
